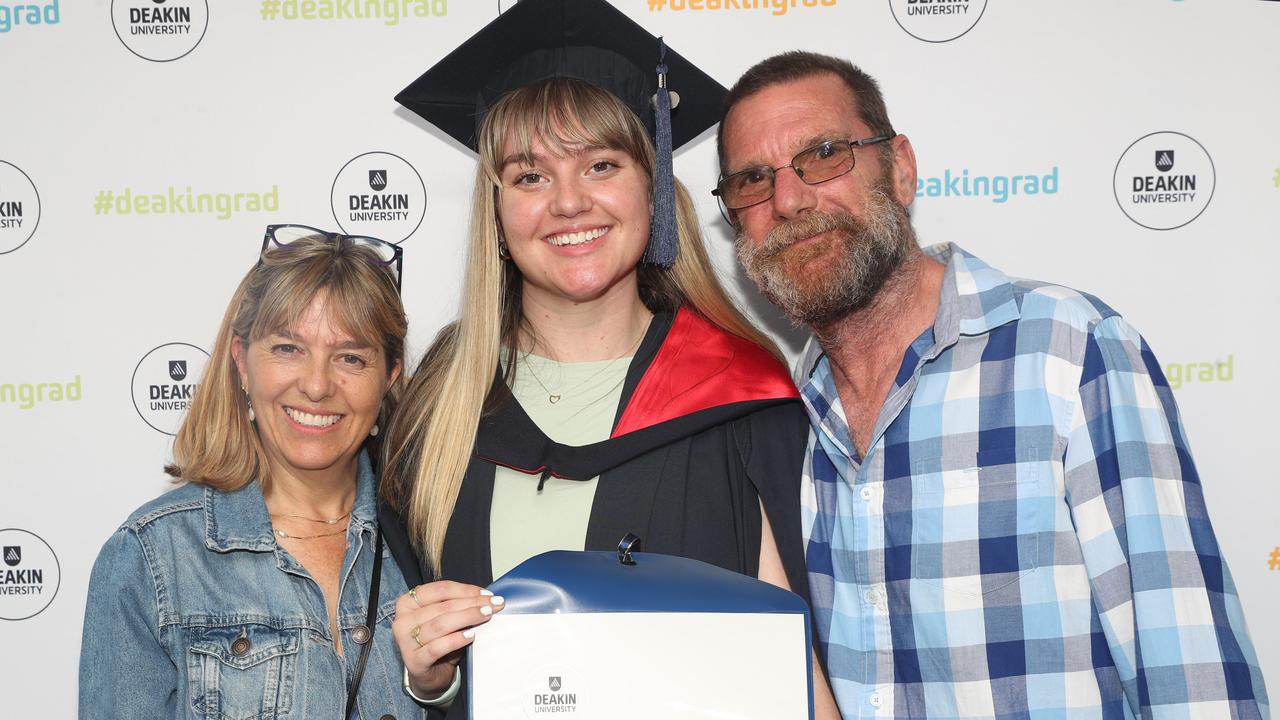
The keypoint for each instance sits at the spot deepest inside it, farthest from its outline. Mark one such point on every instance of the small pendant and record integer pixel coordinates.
(554, 399)
(332, 522)
(281, 533)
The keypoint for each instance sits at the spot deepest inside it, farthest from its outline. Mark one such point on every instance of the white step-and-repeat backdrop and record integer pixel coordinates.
(1130, 149)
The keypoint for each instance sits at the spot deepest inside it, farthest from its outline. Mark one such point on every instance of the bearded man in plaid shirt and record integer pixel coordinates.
(1001, 512)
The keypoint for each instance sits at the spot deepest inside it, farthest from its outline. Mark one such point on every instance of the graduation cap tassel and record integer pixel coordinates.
(663, 243)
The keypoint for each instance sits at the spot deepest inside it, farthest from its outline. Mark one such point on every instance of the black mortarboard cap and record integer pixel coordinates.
(587, 40)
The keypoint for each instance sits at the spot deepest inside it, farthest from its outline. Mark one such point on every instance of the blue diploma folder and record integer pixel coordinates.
(585, 635)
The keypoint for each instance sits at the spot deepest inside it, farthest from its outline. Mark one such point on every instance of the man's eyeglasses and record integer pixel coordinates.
(818, 164)
(379, 252)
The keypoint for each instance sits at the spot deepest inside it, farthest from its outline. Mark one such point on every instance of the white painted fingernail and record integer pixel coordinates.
(486, 592)
(497, 600)
(486, 610)
(469, 633)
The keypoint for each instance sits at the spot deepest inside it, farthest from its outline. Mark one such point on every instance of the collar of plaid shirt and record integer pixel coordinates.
(976, 298)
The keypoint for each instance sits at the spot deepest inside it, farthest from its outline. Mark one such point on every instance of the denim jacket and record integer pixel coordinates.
(194, 611)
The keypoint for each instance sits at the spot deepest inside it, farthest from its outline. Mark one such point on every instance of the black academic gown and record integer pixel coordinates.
(709, 427)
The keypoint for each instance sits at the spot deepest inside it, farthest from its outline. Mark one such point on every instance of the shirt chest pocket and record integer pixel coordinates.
(242, 672)
(979, 520)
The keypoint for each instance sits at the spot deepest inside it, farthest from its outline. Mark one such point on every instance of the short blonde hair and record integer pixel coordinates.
(432, 436)
(217, 445)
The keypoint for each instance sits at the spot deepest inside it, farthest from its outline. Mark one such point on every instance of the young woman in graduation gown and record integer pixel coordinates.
(590, 388)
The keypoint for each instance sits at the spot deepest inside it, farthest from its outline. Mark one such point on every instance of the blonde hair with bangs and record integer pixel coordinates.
(431, 440)
(217, 445)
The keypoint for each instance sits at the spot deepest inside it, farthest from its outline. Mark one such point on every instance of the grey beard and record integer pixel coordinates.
(874, 247)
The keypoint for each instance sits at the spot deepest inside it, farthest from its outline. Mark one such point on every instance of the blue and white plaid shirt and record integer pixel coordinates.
(1026, 536)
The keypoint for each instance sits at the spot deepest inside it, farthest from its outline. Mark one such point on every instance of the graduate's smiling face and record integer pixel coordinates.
(576, 221)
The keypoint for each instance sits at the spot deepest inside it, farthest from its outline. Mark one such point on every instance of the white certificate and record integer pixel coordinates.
(588, 641)
(614, 666)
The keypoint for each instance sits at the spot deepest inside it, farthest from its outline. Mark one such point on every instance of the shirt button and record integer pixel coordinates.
(867, 493)
(241, 646)
(873, 597)
(875, 700)
(360, 634)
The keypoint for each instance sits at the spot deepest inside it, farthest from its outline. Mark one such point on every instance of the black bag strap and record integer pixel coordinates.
(375, 584)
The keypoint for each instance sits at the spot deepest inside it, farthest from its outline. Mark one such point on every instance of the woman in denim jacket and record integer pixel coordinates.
(245, 592)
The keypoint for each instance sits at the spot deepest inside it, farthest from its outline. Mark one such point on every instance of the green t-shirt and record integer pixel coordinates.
(574, 404)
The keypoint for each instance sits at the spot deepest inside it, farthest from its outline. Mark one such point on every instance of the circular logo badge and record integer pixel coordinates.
(1164, 180)
(380, 195)
(19, 208)
(937, 21)
(29, 574)
(160, 30)
(165, 382)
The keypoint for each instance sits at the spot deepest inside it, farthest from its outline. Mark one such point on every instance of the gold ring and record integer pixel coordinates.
(414, 634)
(413, 593)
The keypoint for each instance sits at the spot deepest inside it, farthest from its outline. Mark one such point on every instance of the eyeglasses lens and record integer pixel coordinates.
(747, 188)
(824, 162)
(289, 234)
(384, 251)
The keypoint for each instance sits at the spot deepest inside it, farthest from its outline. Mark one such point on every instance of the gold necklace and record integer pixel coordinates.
(282, 534)
(554, 397)
(329, 521)
(323, 521)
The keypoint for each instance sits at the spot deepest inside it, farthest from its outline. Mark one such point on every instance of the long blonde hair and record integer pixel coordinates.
(217, 445)
(432, 437)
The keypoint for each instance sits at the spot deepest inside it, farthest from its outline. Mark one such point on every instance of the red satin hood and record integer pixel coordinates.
(701, 366)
